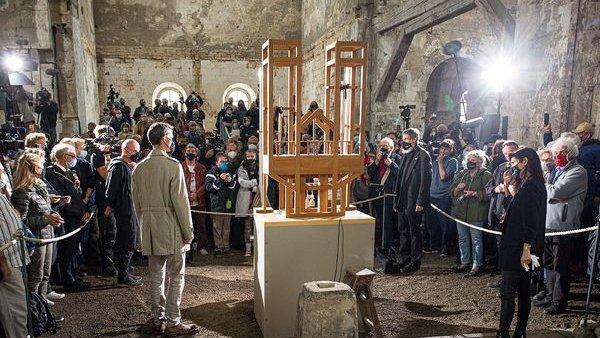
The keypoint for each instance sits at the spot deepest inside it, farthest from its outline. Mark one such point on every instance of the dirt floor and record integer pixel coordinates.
(218, 297)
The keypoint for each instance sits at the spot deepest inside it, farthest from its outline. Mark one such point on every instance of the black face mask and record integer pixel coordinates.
(250, 164)
(190, 156)
(135, 156)
(471, 165)
(406, 145)
(515, 171)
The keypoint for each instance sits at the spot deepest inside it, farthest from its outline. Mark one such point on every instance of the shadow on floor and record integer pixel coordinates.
(228, 318)
(425, 310)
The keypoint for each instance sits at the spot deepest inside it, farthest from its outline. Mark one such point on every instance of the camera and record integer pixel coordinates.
(42, 96)
(113, 95)
(10, 142)
(98, 145)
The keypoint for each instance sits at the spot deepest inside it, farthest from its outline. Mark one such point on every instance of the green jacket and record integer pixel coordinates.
(475, 208)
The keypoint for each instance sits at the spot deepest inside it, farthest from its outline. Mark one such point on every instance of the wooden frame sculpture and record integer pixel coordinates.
(327, 165)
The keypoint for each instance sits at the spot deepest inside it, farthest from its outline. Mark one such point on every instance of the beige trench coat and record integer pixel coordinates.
(162, 206)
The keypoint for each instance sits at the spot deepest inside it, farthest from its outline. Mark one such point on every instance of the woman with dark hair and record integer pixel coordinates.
(522, 236)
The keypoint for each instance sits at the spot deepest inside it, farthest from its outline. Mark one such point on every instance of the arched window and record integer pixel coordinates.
(170, 91)
(240, 91)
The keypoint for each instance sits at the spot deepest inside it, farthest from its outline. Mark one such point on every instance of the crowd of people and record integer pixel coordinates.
(144, 182)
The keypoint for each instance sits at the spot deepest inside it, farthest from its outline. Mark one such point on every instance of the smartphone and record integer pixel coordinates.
(546, 119)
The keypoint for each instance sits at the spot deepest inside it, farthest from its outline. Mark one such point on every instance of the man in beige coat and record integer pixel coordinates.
(162, 206)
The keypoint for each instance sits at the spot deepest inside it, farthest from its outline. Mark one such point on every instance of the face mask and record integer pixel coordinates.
(135, 156)
(247, 124)
(125, 130)
(251, 164)
(235, 126)
(471, 165)
(119, 116)
(190, 156)
(232, 154)
(224, 166)
(515, 171)
(252, 147)
(72, 162)
(406, 145)
(561, 160)
(83, 154)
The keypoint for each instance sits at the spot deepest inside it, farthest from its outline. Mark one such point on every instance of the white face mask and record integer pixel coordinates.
(83, 154)
(252, 147)
(232, 154)
(72, 163)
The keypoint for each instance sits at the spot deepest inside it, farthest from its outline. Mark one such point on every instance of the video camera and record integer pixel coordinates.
(43, 96)
(113, 95)
(99, 144)
(10, 142)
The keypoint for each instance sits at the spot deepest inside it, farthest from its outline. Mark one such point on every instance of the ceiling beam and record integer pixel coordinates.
(500, 15)
(401, 47)
(416, 10)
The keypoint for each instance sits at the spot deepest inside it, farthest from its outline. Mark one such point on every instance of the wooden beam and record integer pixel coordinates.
(438, 15)
(498, 13)
(415, 10)
(400, 50)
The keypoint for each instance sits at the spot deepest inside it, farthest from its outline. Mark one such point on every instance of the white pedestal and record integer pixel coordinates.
(289, 252)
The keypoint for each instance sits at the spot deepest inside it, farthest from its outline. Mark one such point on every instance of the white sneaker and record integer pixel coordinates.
(50, 303)
(203, 252)
(54, 296)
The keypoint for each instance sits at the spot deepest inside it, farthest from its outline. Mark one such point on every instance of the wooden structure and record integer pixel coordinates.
(360, 281)
(284, 154)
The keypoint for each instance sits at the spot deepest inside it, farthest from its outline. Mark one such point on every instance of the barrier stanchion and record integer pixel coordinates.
(383, 223)
(593, 272)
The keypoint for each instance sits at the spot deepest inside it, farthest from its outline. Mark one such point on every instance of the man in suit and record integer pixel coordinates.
(66, 183)
(163, 210)
(412, 197)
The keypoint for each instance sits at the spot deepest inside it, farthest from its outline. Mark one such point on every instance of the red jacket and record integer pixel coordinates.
(200, 172)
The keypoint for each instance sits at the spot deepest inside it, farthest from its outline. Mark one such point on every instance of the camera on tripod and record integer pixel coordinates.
(405, 114)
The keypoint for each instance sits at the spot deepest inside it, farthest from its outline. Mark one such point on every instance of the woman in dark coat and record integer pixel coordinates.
(522, 236)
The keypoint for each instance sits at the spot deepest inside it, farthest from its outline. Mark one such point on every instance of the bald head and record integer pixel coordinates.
(129, 147)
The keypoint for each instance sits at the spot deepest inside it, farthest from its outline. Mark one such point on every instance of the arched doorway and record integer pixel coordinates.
(449, 96)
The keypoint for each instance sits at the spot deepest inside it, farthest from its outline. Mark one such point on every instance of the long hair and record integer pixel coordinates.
(25, 176)
(534, 165)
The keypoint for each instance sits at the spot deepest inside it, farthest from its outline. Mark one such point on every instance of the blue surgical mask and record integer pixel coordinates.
(224, 166)
(83, 154)
(72, 162)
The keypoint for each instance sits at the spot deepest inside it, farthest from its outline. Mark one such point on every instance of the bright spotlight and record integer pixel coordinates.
(13, 63)
(498, 75)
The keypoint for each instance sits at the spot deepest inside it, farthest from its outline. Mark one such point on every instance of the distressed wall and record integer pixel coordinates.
(202, 45)
(27, 19)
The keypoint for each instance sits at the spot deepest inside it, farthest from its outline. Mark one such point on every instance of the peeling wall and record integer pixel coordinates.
(202, 45)
(27, 19)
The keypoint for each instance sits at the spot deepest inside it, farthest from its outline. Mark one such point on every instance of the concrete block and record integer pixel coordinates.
(327, 309)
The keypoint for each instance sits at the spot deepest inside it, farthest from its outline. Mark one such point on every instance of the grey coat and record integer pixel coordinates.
(566, 194)
(161, 203)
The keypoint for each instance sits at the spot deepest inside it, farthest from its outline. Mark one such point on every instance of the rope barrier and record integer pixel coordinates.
(465, 223)
(8, 245)
(60, 238)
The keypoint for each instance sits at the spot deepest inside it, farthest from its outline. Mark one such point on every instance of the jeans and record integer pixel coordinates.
(439, 227)
(470, 242)
(39, 269)
(514, 283)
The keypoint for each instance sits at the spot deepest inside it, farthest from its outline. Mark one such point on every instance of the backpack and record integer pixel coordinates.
(42, 319)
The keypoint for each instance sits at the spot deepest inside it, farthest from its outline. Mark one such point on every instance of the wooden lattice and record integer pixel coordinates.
(304, 163)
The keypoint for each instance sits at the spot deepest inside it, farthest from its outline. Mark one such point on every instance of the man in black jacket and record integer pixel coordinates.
(140, 111)
(65, 182)
(412, 196)
(119, 203)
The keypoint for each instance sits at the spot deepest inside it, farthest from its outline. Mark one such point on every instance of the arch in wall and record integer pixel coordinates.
(169, 90)
(444, 92)
(240, 91)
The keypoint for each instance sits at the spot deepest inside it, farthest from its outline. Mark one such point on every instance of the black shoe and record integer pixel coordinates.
(540, 295)
(129, 281)
(554, 309)
(410, 268)
(83, 282)
(547, 301)
(430, 251)
(473, 273)
(75, 287)
(444, 253)
(391, 268)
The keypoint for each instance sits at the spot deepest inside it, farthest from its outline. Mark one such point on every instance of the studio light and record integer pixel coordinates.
(13, 63)
(498, 75)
